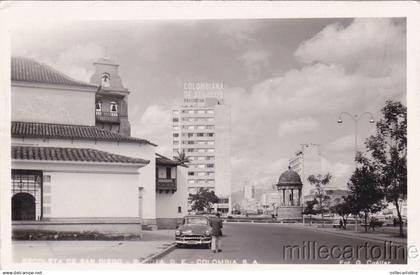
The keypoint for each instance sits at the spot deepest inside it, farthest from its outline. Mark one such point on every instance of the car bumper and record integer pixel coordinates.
(182, 240)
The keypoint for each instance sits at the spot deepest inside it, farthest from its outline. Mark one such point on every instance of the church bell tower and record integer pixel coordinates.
(112, 98)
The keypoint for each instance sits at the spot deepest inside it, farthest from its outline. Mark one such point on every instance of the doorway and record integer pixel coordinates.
(23, 207)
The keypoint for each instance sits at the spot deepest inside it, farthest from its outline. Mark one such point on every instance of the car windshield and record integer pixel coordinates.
(196, 220)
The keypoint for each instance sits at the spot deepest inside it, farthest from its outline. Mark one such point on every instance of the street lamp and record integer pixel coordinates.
(355, 118)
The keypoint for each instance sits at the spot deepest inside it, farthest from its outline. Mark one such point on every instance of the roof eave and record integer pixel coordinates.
(87, 138)
(84, 88)
(143, 164)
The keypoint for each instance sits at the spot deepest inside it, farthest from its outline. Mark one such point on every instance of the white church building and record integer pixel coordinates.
(75, 166)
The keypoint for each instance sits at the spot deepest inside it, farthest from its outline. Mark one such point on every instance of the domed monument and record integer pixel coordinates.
(290, 189)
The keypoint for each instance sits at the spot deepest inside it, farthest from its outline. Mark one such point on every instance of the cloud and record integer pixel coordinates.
(339, 171)
(372, 46)
(302, 105)
(344, 143)
(238, 33)
(155, 125)
(302, 125)
(75, 61)
(254, 61)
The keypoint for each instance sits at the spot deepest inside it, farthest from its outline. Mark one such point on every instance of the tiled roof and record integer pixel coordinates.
(162, 160)
(70, 154)
(64, 131)
(29, 70)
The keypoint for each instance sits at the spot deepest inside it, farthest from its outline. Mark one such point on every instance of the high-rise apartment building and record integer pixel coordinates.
(201, 129)
(306, 162)
(249, 191)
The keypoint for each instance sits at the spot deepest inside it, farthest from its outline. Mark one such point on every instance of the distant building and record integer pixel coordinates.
(249, 206)
(392, 209)
(201, 129)
(306, 162)
(249, 191)
(270, 201)
(335, 195)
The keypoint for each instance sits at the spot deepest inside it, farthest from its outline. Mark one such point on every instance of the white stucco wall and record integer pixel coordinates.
(167, 203)
(81, 190)
(144, 151)
(93, 195)
(70, 106)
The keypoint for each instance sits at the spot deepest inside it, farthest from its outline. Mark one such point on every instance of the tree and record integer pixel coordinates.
(310, 209)
(388, 149)
(182, 158)
(365, 192)
(203, 200)
(344, 209)
(319, 182)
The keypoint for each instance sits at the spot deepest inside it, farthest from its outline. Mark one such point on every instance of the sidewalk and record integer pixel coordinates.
(370, 235)
(93, 251)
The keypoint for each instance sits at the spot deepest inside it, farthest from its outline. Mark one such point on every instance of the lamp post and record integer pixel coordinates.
(355, 118)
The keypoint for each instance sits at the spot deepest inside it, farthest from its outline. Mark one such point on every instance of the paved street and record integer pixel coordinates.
(281, 243)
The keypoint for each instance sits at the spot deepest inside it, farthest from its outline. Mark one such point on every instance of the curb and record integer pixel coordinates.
(162, 253)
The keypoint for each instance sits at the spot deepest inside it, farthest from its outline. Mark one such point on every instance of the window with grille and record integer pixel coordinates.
(26, 194)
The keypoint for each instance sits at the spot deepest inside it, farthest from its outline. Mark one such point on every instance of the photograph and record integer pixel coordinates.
(216, 141)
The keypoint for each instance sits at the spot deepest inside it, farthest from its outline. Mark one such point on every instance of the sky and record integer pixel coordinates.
(286, 80)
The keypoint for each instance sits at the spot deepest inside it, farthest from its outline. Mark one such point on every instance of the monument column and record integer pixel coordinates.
(300, 197)
(292, 202)
(284, 196)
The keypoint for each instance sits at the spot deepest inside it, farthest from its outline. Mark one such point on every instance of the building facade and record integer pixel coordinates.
(201, 129)
(306, 162)
(171, 192)
(71, 174)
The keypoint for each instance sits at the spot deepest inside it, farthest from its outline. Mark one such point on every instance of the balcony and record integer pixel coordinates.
(165, 185)
(110, 117)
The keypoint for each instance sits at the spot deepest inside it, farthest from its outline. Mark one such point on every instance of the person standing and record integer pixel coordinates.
(216, 224)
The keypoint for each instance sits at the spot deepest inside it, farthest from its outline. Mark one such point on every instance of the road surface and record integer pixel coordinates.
(247, 243)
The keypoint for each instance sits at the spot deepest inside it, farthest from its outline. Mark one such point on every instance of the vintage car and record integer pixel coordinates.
(195, 230)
